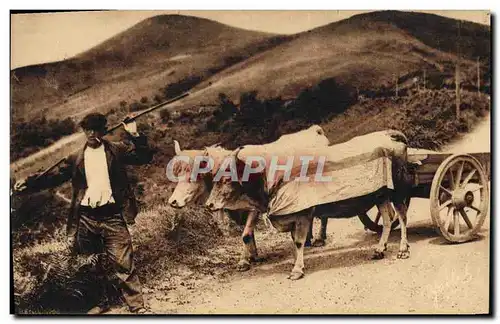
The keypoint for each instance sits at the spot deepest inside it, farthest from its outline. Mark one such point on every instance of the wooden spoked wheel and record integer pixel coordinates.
(459, 198)
(372, 219)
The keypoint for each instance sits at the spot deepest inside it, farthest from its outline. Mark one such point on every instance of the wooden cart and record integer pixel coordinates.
(457, 186)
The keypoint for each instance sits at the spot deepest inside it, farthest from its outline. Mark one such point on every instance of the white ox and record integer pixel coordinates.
(187, 190)
(375, 163)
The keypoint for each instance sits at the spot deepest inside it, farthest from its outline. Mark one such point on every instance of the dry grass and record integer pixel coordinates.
(168, 245)
(49, 278)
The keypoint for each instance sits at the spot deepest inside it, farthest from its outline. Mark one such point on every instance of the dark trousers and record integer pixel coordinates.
(103, 230)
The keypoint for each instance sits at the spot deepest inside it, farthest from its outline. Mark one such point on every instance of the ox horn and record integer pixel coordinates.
(215, 145)
(177, 147)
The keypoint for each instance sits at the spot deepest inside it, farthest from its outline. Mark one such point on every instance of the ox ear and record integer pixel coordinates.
(177, 147)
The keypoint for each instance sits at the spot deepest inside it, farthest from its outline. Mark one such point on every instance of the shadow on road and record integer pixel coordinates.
(441, 241)
(346, 250)
(416, 232)
(357, 253)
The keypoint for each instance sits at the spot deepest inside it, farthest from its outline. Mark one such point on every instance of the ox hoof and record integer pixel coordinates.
(243, 266)
(295, 275)
(307, 244)
(404, 251)
(403, 254)
(377, 255)
(319, 243)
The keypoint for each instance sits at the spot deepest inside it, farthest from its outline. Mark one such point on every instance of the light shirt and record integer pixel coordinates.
(99, 191)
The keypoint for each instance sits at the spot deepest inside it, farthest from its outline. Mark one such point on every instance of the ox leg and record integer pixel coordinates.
(299, 235)
(309, 236)
(385, 211)
(321, 237)
(404, 247)
(249, 246)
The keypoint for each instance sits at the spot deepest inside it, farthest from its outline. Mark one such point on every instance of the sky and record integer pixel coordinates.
(48, 37)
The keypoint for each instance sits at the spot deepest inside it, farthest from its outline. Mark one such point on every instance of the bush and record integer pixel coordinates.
(157, 99)
(322, 101)
(187, 117)
(262, 121)
(429, 118)
(176, 89)
(136, 106)
(165, 115)
(27, 137)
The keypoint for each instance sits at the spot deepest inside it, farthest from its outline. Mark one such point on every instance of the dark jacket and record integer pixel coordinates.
(118, 154)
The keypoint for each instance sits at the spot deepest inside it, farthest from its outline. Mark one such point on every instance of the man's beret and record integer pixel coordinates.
(94, 121)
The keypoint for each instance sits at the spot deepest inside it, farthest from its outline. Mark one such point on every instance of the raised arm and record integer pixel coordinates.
(138, 150)
(51, 179)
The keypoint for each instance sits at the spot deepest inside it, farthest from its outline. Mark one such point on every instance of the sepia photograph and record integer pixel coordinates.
(243, 162)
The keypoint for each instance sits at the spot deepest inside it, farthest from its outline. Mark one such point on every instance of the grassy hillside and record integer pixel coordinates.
(367, 52)
(436, 31)
(138, 62)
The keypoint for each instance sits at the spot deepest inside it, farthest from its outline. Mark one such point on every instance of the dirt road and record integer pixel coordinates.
(476, 141)
(341, 278)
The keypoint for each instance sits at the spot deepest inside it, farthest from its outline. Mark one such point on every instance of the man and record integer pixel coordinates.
(102, 201)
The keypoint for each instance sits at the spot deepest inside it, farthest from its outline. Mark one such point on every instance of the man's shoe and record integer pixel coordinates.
(99, 309)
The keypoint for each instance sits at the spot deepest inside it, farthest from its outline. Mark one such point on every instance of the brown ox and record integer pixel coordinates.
(282, 199)
(190, 190)
(197, 189)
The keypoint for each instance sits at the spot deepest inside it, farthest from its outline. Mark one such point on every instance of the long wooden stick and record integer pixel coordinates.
(109, 130)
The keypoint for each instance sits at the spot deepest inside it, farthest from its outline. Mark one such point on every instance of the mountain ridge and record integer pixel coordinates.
(145, 48)
(363, 51)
